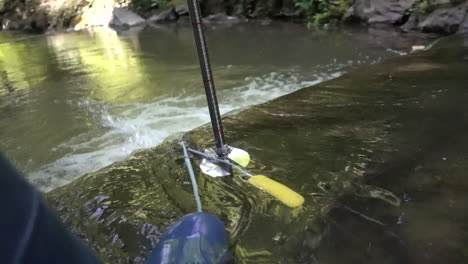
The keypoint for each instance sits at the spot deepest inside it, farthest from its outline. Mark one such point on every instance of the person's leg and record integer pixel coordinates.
(195, 238)
(29, 231)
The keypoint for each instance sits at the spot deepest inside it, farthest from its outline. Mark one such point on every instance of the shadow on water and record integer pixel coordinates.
(429, 177)
(430, 225)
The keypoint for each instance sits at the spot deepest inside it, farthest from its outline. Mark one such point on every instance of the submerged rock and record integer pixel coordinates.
(321, 141)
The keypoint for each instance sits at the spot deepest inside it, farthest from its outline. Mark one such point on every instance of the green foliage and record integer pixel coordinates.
(323, 11)
(422, 7)
(90, 3)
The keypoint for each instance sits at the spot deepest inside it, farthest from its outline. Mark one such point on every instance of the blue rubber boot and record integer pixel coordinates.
(197, 238)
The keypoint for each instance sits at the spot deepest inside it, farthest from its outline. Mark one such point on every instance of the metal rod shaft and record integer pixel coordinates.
(188, 163)
(223, 161)
(210, 91)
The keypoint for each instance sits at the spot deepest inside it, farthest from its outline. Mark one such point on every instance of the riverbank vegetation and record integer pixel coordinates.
(320, 12)
(428, 16)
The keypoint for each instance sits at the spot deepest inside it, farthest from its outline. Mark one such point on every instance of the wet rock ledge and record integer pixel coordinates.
(321, 141)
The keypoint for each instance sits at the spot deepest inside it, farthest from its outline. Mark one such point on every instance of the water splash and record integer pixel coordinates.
(125, 128)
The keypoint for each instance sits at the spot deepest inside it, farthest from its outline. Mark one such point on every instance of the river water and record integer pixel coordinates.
(73, 103)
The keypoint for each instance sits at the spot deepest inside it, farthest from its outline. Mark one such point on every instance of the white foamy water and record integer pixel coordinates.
(125, 128)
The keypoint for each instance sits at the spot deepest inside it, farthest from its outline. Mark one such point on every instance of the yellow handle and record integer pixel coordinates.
(277, 190)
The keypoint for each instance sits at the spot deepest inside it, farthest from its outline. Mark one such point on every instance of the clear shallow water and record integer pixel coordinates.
(428, 175)
(73, 103)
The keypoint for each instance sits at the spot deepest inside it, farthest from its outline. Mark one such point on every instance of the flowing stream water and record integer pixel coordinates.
(73, 103)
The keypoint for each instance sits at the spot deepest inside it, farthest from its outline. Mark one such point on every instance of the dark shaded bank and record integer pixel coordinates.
(435, 16)
(430, 225)
(429, 16)
(37, 16)
(328, 141)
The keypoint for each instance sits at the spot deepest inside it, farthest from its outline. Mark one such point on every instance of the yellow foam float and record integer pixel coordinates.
(278, 190)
